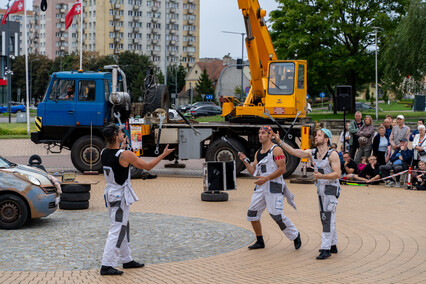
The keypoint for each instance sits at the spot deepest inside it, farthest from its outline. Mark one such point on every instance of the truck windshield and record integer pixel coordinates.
(281, 78)
(62, 90)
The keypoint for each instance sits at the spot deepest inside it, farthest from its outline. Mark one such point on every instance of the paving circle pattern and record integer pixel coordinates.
(71, 240)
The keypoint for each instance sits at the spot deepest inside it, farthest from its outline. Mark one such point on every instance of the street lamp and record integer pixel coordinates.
(242, 59)
(376, 29)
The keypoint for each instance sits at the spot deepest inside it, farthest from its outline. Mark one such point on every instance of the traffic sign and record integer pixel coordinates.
(322, 95)
(209, 97)
(307, 96)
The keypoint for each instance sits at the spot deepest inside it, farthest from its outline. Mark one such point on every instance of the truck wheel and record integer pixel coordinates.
(291, 162)
(220, 151)
(13, 212)
(80, 153)
(215, 197)
(157, 97)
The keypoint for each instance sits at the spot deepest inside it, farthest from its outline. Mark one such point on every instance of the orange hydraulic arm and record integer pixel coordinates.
(259, 46)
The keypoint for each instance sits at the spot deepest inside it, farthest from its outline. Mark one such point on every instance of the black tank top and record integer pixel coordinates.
(260, 156)
(109, 159)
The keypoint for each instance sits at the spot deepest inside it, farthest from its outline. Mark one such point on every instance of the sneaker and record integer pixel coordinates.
(324, 254)
(148, 175)
(257, 245)
(109, 270)
(333, 249)
(297, 242)
(390, 183)
(397, 184)
(133, 264)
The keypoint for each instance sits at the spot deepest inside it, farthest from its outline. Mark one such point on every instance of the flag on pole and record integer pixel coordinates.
(75, 10)
(17, 6)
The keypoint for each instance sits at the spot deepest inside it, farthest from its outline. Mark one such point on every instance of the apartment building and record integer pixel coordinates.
(19, 18)
(167, 30)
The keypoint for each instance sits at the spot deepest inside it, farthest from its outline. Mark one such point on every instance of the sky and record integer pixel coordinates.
(215, 16)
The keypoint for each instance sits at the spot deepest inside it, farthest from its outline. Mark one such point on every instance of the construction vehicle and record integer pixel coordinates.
(278, 91)
(277, 86)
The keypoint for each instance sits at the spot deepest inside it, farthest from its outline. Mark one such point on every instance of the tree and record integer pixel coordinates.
(172, 73)
(367, 94)
(333, 36)
(404, 54)
(204, 85)
(134, 66)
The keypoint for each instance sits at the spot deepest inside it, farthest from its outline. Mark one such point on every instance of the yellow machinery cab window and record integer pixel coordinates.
(281, 78)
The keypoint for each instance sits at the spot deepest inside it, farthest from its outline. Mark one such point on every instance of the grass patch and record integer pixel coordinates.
(15, 130)
(210, 118)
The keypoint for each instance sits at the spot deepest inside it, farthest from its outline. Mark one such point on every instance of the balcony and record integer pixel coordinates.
(155, 31)
(190, 22)
(62, 38)
(116, 17)
(172, 21)
(190, 43)
(173, 10)
(116, 29)
(190, 1)
(155, 52)
(154, 9)
(172, 53)
(62, 29)
(62, 48)
(117, 39)
(154, 41)
(62, 20)
(172, 42)
(172, 32)
(135, 7)
(190, 11)
(135, 29)
(117, 6)
(190, 33)
(62, 11)
(154, 20)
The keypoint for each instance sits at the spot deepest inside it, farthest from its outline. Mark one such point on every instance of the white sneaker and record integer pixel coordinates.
(390, 183)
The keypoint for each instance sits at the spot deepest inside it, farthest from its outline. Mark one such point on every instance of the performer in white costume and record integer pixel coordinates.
(119, 195)
(270, 190)
(327, 172)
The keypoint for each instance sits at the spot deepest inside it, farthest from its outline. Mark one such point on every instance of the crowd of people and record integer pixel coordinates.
(369, 154)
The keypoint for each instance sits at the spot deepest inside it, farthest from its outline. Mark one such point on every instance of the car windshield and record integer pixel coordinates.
(5, 163)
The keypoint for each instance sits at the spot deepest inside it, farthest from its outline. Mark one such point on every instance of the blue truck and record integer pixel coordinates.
(77, 105)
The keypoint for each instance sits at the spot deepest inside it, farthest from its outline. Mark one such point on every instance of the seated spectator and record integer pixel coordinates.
(333, 146)
(365, 139)
(347, 136)
(399, 132)
(419, 176)
(398, 162)
(349, 166)
(370, 172)
(416, 131)
(342, 150)
(362, 164)
(381, 146)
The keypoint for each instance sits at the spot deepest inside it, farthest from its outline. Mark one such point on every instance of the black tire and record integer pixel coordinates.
(135, 173)
(157, 97)
(80, 153)
(68, 205)
(34, 160)
(220, 151)
(291, 162)
(85, 196)
(214, 197)
(13, 212)
(18, 111)
(75, 188)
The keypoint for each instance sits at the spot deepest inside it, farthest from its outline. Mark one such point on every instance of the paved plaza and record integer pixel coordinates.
(381, 232)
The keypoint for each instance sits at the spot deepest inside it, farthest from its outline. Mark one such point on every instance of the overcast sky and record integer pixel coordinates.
(216, 16)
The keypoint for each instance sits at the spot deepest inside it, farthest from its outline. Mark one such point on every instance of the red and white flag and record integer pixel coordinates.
(75, 10)
(18, 6)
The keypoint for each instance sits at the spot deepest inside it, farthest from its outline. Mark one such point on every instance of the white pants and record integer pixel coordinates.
(262, 199)
(117, 245)
(328, 220)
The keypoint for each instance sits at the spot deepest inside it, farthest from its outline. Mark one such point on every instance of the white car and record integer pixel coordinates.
(173, 115)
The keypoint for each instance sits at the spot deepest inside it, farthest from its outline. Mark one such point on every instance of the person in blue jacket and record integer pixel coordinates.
(399, 161)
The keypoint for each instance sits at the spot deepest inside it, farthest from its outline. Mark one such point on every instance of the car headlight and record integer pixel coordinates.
(27, 178)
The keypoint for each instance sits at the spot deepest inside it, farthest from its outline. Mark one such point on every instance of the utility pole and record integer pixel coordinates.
(242, 60)
(377, 85)
(9, 72)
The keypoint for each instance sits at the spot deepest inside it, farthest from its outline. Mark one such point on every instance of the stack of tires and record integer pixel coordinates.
(75, 196)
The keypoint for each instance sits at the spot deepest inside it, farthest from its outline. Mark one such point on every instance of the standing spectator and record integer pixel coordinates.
(399, 161)
(399, 132)
(381, 146)
(365, 137)
(387, 123)
(394, 123)
(416, 131)
(342, 150)
(419, 146)
(349, 166)
(347, 136)
(353, 129)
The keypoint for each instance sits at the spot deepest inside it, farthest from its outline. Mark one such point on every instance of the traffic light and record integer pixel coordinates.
(239, 64)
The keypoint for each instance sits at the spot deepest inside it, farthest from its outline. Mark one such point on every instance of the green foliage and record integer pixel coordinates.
(404, 54)
(333, 36)
(367, 93)
(204, 85)
(173, 73)
(134, 66)
(237, 90)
